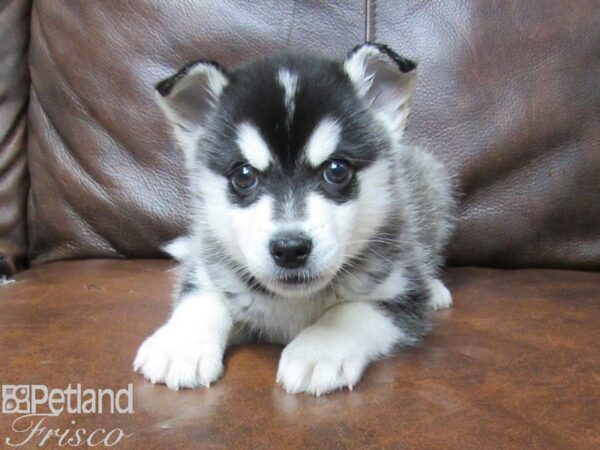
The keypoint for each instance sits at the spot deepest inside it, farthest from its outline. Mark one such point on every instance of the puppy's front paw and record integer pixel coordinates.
(320, 360)
(440, 296)
(179, 359)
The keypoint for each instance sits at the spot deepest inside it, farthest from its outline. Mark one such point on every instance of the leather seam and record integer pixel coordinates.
(370, 20)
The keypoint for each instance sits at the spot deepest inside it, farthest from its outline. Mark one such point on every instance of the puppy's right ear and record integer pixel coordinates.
(385, 81)
(187, 99)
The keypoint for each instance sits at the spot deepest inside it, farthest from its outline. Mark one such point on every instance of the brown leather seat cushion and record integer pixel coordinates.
(514, 364)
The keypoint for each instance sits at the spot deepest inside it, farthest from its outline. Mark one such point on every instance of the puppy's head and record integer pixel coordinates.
(290, 158)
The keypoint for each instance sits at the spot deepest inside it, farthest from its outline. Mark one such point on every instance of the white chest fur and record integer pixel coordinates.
(277, 319)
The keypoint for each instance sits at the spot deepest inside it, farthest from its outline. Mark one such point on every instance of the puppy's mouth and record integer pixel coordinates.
(300, 283)
(296, 280)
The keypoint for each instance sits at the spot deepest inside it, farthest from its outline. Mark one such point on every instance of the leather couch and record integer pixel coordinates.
(91, 186)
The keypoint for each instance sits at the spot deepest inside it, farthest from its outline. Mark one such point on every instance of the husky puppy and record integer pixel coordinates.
(314, 225)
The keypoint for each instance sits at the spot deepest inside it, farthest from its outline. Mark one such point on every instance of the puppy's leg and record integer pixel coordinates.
(187, 351)
(440, 297)
(334, 352)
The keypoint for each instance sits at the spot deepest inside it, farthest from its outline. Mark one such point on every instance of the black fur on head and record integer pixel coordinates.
(255, 96)
(367, 95)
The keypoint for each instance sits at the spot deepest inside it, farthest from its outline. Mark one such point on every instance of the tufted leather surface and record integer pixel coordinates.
(513, 365)
(509, 97)
(14, 90)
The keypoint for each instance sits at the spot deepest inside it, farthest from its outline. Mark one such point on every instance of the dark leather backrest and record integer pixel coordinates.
(508, 96)
(14, 89)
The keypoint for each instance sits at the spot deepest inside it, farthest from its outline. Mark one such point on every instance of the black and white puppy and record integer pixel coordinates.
(314, 224)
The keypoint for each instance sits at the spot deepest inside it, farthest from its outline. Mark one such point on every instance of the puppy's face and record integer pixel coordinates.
(290, 157)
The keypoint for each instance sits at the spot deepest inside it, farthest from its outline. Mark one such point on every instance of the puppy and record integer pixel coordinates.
(315, 225)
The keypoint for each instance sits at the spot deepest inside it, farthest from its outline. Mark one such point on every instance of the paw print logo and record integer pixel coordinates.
(15, 399)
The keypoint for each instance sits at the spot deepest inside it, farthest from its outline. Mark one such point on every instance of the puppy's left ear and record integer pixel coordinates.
(385, 81)
(187, 99)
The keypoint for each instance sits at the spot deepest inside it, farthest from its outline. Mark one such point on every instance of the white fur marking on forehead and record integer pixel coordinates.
(323, 141)
(289, 83)
(253, 146)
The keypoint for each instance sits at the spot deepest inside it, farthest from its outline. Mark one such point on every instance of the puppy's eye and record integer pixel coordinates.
(337, 174)
(244, 179)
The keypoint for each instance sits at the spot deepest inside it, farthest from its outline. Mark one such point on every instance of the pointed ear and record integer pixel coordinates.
(385, 81)
(187, 98)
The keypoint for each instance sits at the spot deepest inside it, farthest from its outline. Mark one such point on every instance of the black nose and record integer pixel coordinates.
(290, 251)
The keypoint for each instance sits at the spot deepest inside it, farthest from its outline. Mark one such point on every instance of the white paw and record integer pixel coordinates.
(320, 360)
(440, 296)
(178, 358)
